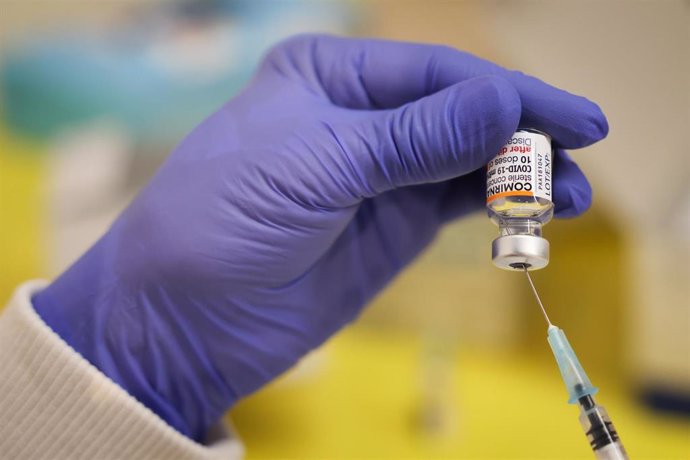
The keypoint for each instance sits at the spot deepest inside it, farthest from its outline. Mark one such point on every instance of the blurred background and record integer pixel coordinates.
(451, 361)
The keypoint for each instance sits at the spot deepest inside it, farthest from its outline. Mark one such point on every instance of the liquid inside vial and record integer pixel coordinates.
(520, 215)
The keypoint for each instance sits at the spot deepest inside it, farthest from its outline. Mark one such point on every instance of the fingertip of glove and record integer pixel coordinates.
(582, 125)
(595, 124)
(486, 112)
(576, 201)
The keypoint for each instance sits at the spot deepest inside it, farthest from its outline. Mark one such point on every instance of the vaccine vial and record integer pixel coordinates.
(519, 200)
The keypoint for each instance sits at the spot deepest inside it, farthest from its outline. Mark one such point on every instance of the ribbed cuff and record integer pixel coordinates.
(55, 404)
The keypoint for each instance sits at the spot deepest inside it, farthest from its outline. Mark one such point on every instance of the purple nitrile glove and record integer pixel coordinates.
(278, 218)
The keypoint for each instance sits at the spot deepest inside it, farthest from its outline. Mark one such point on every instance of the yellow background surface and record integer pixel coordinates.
(363, 401)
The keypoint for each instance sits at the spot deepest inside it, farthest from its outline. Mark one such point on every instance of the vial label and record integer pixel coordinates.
(521, 168)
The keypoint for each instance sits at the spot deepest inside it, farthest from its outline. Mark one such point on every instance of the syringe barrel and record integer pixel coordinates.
(601, 434)
(613, 451)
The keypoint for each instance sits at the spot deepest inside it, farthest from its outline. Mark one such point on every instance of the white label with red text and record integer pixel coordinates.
(521, 168)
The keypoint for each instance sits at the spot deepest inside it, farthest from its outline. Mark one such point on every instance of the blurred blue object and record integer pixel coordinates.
(159, 75)
(671, 401)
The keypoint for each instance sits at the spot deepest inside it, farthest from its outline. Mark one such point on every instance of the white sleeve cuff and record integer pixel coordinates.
(55, 404)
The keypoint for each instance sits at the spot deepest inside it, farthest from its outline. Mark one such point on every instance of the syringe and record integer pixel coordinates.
(595, 421)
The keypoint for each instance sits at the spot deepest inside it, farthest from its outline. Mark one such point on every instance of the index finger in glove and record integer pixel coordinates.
(380, 74)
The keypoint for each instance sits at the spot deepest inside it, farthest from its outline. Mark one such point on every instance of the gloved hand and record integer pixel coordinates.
(278, 218)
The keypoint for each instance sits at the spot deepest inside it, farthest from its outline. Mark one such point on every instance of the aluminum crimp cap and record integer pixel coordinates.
(513, 252)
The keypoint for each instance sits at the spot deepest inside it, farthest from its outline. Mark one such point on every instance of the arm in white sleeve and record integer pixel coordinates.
(54, 404)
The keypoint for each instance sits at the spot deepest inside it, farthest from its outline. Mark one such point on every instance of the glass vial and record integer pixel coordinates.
(519, 200)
